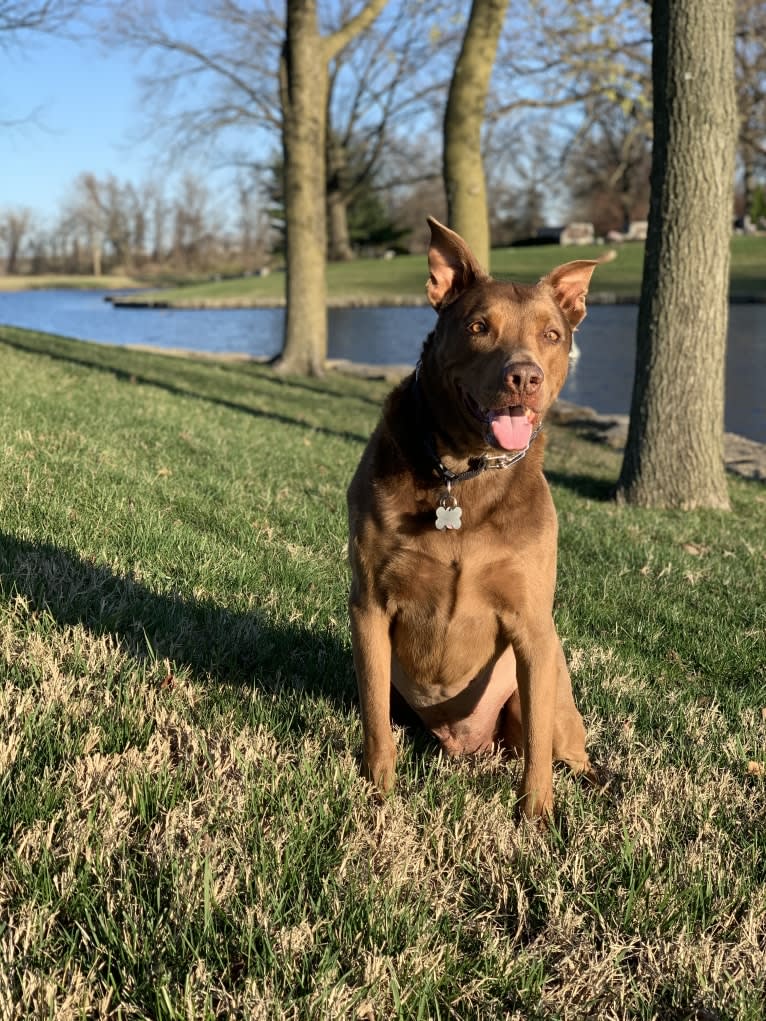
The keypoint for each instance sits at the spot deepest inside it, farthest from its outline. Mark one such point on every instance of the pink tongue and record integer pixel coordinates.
(511, 428)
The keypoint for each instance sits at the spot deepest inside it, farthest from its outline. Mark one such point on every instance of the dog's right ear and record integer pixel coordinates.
(452, 266)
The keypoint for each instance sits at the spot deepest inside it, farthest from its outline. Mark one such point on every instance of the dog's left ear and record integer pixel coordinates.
(570, 285)
(452, 266)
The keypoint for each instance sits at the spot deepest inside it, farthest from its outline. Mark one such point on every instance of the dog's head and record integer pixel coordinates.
(499, 354)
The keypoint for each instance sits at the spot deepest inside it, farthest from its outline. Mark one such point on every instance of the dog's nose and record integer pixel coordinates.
(523, 377)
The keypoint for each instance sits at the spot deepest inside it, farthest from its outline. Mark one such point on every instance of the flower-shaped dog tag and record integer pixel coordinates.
(448, 514)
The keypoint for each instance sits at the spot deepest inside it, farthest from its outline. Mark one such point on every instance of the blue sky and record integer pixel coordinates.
(87, 119)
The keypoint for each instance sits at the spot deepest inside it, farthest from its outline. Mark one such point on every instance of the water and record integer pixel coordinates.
(601, 378)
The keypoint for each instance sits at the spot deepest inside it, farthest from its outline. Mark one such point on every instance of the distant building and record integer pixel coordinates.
(581, 233)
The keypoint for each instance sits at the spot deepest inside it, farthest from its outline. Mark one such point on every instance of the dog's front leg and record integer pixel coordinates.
(372, 661)
(537, 673)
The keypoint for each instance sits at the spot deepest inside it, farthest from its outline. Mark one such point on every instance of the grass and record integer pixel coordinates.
(402, 279)
(184, 832)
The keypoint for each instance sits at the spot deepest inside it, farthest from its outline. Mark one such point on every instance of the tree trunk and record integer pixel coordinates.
(674, 453)
(749, 181)
(12, 254)
(303, 82)
(339, 242)
(339, 248)
(463, 168)
(95, 256)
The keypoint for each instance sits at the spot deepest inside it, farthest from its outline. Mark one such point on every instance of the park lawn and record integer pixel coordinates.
(184, 830)
(402, 280)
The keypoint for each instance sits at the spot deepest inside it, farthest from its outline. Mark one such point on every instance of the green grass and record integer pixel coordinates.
(184, 832)
(403, 279)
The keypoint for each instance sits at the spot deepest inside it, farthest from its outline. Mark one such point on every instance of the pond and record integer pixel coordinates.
(601, 377)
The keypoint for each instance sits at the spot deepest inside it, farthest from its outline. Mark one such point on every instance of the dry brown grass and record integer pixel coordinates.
(185, 833)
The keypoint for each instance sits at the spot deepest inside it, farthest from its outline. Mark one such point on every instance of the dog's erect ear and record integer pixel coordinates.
(570, 285)
(452, 266)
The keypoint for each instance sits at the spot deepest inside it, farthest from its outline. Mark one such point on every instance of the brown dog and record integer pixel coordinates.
(453, 530)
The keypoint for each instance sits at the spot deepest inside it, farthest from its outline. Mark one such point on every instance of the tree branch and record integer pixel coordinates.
(338, 40)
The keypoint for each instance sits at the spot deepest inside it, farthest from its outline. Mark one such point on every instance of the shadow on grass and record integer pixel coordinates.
(586, 486)
(218, 645)
(124, 373)
(229, 648)
(320, 387)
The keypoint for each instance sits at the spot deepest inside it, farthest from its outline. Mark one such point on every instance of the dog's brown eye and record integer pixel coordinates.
(477, 326)
(552, 336)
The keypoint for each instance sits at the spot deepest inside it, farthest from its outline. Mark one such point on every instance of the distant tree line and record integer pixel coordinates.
(566, 130)
(106, 224)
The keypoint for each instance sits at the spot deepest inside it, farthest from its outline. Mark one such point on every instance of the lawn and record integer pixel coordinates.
(184, 831)
(402, 280)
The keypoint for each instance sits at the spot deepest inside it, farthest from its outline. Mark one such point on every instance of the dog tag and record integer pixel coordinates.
(448, 514)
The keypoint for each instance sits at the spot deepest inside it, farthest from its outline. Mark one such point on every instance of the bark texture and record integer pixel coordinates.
(339, 240)
(674, 453)
(304, 101)
(463, 168)
(303, 96)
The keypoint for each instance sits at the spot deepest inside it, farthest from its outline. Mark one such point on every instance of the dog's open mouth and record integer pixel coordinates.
(512, 427)
(509, 428)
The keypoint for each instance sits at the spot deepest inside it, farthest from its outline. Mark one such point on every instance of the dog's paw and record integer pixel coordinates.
(379, 767)
(596, 776)
(536, 803)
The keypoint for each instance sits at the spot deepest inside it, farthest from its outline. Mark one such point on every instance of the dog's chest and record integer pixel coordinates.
(450, 569)
(452, 600)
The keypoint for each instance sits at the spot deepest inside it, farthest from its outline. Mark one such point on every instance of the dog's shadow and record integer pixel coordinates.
(214, 643)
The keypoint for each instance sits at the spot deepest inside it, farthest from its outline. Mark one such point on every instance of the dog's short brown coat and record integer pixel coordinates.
(460, 622)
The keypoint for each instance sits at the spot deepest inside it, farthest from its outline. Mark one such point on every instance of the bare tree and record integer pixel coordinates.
(192, 234)
(395, 73)
(595, 63)
(750, 59)
(209, 80)
(252, 221)
(86, 220)
(107, 218)
(464, 180)
(521, 179)
(674, 454)
(214, 67)
(304, 69)
(595, 72)
(14, 226)
(587, 84)
(156, 214)
(608, 171)
(21, 19)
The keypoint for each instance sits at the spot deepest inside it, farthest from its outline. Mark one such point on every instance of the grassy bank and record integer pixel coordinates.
(184, 831)
(68, 282)
(401, 280)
